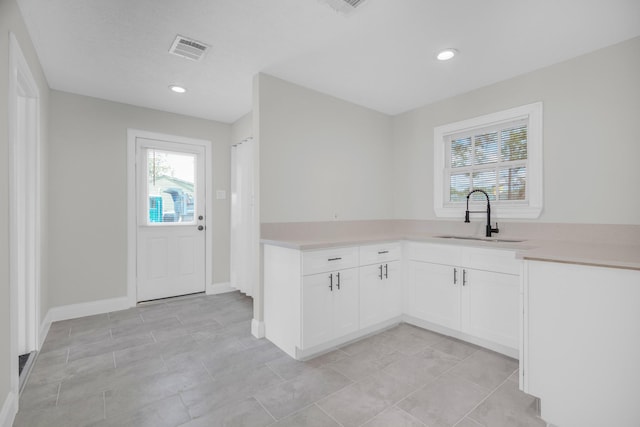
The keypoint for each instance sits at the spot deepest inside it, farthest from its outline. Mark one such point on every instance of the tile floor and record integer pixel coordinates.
(193, 362)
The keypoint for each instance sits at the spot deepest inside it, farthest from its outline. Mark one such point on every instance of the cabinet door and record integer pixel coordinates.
(346, 313)
(392, 290)
(490, 306)
(434, 296)
(317, 309)
(371, 295)
(380, 293)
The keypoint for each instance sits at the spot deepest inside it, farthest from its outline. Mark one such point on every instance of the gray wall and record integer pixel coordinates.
(320, 156)
(242, 128)
(591, 149)
(88, 187)
(11, 21)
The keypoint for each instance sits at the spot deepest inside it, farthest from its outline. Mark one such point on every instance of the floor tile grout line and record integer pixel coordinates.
(263, 407)
(275, 372)
(185, 405)
(491, 393)
(413, 417)
(104, 405)
(58, 393)
(328, 414)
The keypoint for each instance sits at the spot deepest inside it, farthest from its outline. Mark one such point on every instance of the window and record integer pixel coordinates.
(499, 153)
(170, 186)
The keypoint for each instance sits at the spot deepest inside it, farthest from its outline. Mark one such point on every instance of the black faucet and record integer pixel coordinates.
(466, 216)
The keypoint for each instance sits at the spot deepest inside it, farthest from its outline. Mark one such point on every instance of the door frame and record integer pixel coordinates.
(23, 85)
(132, 209)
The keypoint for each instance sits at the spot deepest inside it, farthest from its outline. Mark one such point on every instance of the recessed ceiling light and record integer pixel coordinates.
(177, 89)
(447, 54)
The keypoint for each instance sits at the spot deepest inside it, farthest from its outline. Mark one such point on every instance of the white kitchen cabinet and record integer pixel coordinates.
(380, 293)
(313, 299)
(581, 343)
(380, 283)
(470, 291)
(329, 306)
(489, 306)
(434, 295)
(318, 299)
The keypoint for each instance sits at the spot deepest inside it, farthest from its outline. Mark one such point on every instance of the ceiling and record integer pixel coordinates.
(381, 55)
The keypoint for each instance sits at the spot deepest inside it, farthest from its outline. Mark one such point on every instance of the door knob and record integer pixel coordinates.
(200, 228)
(200, 217)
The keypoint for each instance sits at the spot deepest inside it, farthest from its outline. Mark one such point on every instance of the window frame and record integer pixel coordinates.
(532, 207)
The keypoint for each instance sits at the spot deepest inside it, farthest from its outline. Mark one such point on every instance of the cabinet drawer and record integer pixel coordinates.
(382, 252)
(491, 260)
(434, 253)
(329, 260)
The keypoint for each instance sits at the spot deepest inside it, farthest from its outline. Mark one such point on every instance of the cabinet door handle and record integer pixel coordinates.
(464, 277)
(338, 276)
(331, 281)
(334, 259)
(386, 271)
(380, 275)
(455, 276)
(382, 252)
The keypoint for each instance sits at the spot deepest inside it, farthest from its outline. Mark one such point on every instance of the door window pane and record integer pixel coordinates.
(170, 186)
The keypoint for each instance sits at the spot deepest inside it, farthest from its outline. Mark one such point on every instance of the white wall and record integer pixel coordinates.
(591, 149)
(88, 193)
(320, 156)
(242, 128)
(11, 21)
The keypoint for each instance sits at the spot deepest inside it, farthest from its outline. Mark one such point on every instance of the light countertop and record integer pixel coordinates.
(585, 253)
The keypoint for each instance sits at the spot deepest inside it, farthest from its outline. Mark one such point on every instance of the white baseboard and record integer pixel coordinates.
(44, 329)
(9, 410)
(83, 309)
(499, 348)
(219, 288)
(88, 308)
(257, 328)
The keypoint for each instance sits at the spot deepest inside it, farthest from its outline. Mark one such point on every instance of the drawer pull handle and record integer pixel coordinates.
(383, 252)
(338, 284)
(386, 271)
(464, 277)
(455, 276)
(331, 282)
(380, 275)
(335, 259)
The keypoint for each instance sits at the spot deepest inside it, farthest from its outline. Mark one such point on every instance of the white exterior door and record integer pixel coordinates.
(170, 193)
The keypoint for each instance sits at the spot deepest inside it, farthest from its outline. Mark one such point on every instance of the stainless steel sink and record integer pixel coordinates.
(480, 239)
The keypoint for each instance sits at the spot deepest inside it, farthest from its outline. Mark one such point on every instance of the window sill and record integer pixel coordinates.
(498, 212)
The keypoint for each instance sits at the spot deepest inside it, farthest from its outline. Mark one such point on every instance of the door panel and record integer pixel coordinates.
(346, 292)
(434, 296)
(171, 239)
(317, 309)
(490, 306)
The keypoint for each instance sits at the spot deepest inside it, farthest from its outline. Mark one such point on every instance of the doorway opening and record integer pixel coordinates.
(169, 207)
(24, 214)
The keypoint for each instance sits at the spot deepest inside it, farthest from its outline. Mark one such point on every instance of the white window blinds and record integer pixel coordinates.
(493, 159)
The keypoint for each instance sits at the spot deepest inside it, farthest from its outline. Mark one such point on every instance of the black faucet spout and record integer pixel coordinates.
(489, 229)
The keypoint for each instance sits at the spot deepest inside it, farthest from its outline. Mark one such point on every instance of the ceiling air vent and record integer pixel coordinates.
(344, 6)
(189, 48)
